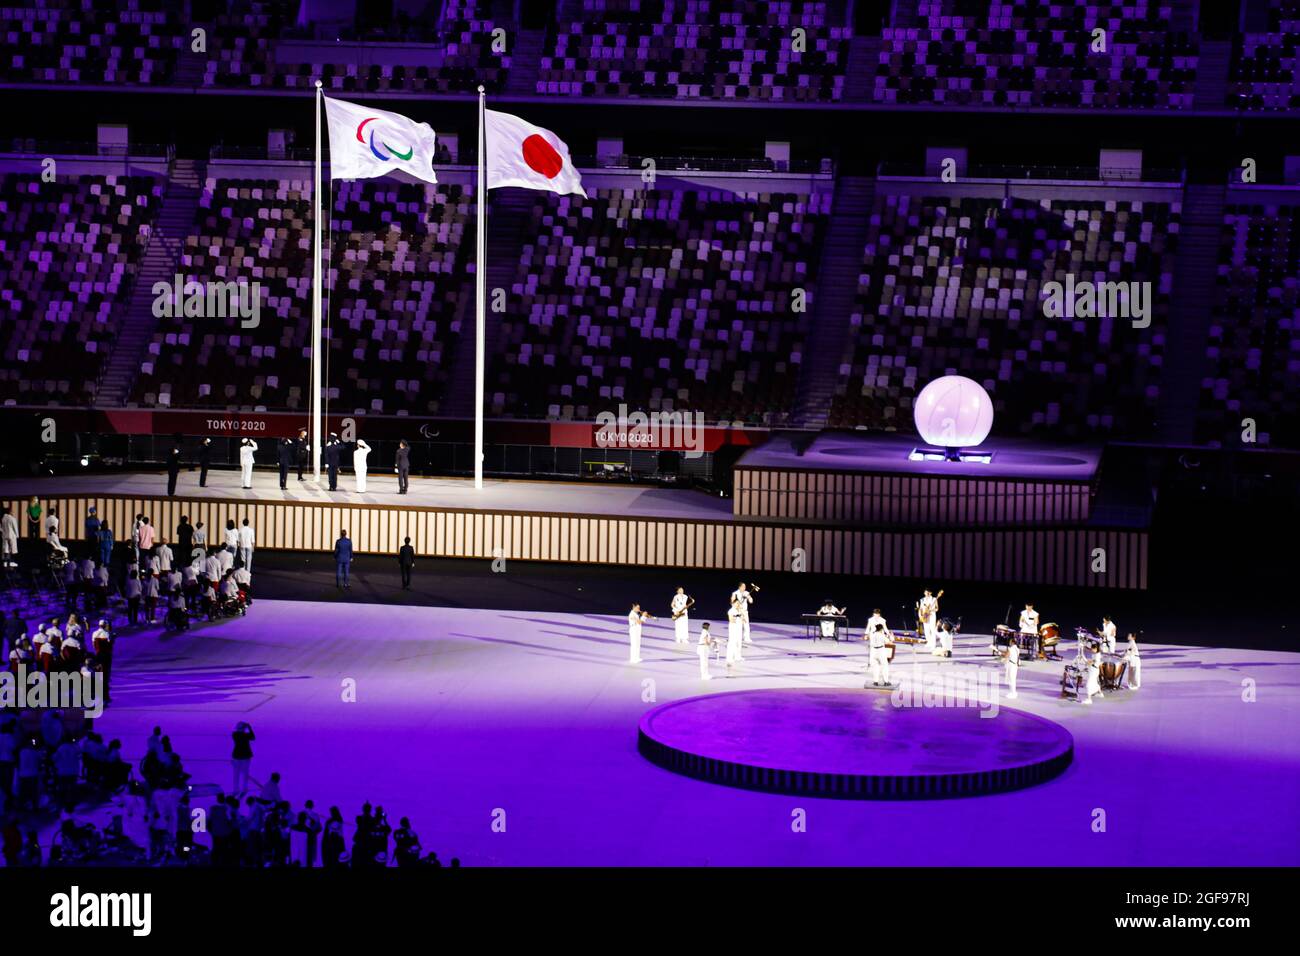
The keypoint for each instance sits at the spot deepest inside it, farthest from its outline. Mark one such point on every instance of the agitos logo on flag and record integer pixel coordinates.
(366, 142)
(361, 138)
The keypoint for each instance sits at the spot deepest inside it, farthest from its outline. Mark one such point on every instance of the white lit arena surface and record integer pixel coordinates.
(535, 714)
(406, 385)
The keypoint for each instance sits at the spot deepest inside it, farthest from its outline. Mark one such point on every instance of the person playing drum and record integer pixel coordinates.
(1029, 620)
(1108, 632)
(1093, 688)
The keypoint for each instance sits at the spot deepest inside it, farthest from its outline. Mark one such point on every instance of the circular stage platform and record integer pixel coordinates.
(852, 744)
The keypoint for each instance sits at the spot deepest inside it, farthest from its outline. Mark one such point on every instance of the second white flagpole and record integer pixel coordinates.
(316, 304)
(480, 295)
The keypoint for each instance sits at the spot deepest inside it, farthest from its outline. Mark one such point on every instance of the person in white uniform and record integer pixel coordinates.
(1093, 687)
(246, 541)
(703, 649)
(735, 634)
(52, 534)
(359, 458)
(875, 619)
(878, 638)
(745, 597)
(247, 448)
(212, 567)
(1108, 634)
(1029, 620)
(927, 610)
(945, 639)
(1134, 662)
(680, 606)
(1012, 669)
(163, 554)
(635, 618)
(828, 610)
(9, 538)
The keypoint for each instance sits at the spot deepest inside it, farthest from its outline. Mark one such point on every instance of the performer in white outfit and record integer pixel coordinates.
(681, 605)
(745, 597)
(52, 534)
(246, 541)
(1093, 688)
(704, 648)
(247, 448)
(1012, 669)
(878, 638)
(9, 538)
(359, 464)
(635, 618)
(1029, 620)
(827, 610)
(735, 634)
(1134, 662)
(927, 611)
(1108, 633)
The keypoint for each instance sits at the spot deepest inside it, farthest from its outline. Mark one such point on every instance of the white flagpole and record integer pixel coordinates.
(480, 296)
(316, 304)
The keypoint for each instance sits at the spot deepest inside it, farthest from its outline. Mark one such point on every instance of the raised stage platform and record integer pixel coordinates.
(861, 477)
(852, 744)
(606, 523)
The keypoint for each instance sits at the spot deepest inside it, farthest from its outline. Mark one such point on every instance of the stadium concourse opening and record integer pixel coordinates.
(801, 434)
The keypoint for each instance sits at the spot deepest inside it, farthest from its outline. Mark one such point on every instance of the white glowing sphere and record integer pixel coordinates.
(953, 412)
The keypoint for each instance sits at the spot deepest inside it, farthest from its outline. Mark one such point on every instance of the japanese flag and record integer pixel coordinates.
(521, 154)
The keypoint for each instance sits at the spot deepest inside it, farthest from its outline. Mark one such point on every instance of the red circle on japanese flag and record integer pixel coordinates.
(541, 157)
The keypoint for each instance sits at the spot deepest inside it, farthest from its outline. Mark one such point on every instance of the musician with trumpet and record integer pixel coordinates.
(744, 597)
(735, 635)
(635, 618)
(1012, 658)
(703, 649)
(680, 607)
(927, 612)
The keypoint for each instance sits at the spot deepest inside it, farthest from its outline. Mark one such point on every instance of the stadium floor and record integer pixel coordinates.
(462, 714)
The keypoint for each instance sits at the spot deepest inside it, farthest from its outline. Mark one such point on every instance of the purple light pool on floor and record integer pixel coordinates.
(850, 743)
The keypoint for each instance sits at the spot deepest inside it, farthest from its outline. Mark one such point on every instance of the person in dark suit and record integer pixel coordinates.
(205, 459)
(287, 453)
(301, 446)
(406, 561)
(331, 456)
(403, 467)
(184, 540)
(173, 470)
(342, 560)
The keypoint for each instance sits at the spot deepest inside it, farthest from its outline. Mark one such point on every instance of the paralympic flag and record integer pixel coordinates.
(521, 154)
(366, 142)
